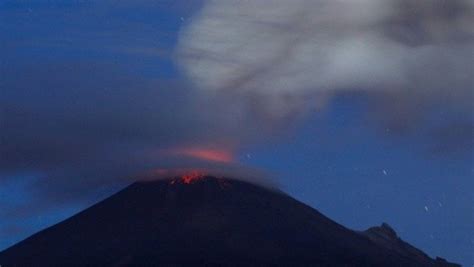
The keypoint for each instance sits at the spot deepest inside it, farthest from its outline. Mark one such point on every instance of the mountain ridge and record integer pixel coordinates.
(207, 220)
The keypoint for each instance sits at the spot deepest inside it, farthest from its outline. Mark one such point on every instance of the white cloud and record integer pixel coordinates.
(297, 54)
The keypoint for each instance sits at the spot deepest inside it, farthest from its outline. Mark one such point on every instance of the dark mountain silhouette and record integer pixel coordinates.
(209, 221)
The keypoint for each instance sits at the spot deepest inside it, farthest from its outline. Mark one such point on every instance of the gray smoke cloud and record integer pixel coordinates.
(279, 58)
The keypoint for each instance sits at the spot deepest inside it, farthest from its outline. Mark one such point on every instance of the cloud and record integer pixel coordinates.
(98, 100)
(279, 59)
(74, 131)
(70, 111)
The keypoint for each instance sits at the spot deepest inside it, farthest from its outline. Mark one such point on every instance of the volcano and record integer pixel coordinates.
(204, 220)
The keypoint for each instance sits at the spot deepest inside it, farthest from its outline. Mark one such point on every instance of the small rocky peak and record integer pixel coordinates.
(387, 230)
(384, 231)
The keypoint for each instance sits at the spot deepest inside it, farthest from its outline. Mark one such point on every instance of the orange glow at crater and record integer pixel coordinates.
(188, 176)
(192, 177)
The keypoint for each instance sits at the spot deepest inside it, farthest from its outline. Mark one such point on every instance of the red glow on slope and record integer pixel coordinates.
(191, 177)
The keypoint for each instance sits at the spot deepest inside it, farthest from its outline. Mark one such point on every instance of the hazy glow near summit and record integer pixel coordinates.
(206, 154)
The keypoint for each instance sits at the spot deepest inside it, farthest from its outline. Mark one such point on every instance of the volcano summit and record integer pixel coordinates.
(204, 220)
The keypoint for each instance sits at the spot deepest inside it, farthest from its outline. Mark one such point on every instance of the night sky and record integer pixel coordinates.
(361, 109)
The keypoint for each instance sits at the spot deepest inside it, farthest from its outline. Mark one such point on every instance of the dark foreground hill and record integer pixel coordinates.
(209, 221)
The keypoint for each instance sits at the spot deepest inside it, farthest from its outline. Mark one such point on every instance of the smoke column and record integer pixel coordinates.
(281, 58)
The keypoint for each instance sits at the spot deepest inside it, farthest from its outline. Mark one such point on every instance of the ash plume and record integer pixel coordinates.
(279, 59)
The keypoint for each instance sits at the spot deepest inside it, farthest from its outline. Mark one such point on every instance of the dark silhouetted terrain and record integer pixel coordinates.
(209, 221)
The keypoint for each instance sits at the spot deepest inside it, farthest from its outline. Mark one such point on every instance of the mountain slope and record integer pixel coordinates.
(204, 221)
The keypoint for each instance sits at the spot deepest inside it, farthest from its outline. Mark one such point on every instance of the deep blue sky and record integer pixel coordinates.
(343, 162)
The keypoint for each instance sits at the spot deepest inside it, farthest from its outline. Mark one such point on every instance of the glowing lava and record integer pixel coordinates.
(192, 177)
(187, 176)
